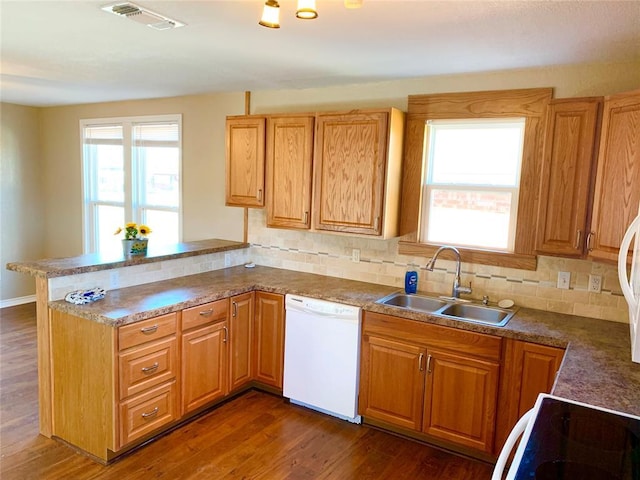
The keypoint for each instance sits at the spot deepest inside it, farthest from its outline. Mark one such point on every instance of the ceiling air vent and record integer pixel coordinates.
(142, 15)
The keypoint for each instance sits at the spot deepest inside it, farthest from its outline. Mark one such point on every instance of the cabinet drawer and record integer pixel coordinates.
(147, 412)
(205, 313)
(480, 345)
(147, 330)
(146, 366)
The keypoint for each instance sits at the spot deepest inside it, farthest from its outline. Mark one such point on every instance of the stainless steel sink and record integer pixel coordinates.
(413, 302)
(456, 309)
(477, 313)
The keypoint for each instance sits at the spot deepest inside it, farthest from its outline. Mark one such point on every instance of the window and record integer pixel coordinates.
(131, 172)
(472, 181)
(466, 183)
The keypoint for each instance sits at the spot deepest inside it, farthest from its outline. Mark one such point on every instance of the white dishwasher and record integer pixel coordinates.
(322, 356)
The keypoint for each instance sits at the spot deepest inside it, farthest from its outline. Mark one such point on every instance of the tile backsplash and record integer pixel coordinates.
(380, 263)
(145, 273)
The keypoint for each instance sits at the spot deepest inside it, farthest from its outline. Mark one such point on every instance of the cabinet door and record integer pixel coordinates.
(566, 174)
(269, 339)
(529, 369)
(289, 169)
(349, 172)
(617, 190)
(392, 382)
(204, 365)
(460, 399)
(241, 340)
(245, 157)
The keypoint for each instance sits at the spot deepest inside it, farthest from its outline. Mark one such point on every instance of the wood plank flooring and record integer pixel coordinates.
(256, 436)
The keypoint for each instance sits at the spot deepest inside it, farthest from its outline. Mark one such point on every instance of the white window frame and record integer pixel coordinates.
(132, 206)
(428, 184)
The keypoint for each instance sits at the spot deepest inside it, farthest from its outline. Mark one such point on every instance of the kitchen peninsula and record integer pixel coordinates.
(596, 368)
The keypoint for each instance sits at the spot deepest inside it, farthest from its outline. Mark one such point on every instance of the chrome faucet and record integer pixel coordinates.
(457, 289)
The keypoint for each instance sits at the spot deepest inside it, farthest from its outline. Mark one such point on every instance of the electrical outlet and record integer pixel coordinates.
(564, 278)
(227, 259)
(114, 278)
(355, 255)
(595, 283)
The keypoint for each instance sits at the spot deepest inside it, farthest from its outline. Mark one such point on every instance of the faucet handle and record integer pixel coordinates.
(465, 289)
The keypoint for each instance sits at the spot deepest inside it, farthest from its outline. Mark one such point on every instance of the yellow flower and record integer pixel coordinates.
(118, 231)
(144, 230)
(131, 225)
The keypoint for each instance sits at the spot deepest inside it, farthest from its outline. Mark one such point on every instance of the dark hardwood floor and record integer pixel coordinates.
(255, 436)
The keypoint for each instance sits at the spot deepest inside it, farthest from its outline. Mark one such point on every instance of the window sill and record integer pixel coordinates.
(484, 257)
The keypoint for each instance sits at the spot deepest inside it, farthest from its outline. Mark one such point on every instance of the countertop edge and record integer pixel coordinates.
(50, 268)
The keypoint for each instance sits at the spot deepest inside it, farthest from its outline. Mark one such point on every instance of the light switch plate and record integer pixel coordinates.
(564, 279)
(355, 255)
(595, 283)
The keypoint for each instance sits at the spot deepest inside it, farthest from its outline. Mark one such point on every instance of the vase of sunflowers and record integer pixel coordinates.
(135, 241)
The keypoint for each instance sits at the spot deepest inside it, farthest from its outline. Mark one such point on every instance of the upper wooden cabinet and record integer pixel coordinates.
(357, 172)
(569, 152)
(617, 188)
(245, 158)
(289, 170)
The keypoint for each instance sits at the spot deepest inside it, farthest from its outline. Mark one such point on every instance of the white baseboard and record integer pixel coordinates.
(12, 302)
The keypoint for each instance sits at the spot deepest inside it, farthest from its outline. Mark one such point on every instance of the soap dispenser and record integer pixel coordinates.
(411, 282)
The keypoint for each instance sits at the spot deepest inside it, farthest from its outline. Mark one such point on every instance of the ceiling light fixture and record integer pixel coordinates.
(270, 14)
(306, 9)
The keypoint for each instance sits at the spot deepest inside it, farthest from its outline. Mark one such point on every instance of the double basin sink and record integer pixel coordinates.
(453, 308)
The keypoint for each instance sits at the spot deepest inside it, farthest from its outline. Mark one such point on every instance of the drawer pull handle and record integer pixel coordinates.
(420, 361)
(152, 413)
(578, 238)
(226, 333)
(428, 363)
(151, 329)
(206, 313)
(234, 312)
(150, 369)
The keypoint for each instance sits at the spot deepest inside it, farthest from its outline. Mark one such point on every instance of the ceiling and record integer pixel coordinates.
(56, 52)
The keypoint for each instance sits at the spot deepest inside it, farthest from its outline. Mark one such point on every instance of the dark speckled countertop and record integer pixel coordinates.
(60, 267)
(597, 367)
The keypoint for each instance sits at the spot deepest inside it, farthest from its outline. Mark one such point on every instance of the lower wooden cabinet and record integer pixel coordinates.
(392, 389)
(205, 352)
(268, 358)
(530, 369)
(460, 400)
(142, 414)
(440, 381)
(241, 340)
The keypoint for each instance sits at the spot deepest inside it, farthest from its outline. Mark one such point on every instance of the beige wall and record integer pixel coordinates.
(22, 217)
(205, 215)
(203, 121)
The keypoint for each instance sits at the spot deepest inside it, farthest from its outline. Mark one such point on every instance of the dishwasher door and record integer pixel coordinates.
(322, 356)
